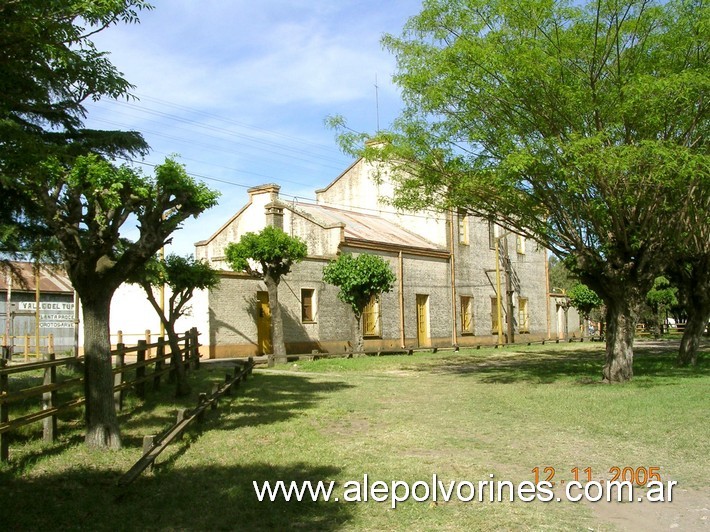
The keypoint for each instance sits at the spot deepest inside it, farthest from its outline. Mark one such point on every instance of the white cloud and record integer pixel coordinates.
(240, 88)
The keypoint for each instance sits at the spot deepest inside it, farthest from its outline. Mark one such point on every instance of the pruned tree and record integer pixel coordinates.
(86, 206)
(268, 255)
(660, 299)
(360, 279)
(584, 127)
(183, 275)
(585, 300)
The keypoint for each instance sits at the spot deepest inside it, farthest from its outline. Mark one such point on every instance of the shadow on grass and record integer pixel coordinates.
(274, 397)
(546, 366)
(206, 498)
(260, 400)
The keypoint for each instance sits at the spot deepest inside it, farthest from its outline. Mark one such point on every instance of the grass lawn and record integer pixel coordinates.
(462, 416)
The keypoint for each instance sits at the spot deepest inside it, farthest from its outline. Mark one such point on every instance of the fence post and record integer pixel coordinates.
(195, 347)
(201, 399)
(50, 343)
(118, 376)
(181, 415)
(27, 347)
(4, 415)
(147, 447)
(6, 349)
(185, 356)
(147, 341)
(159, 353)
(140, 370)
(49, 400)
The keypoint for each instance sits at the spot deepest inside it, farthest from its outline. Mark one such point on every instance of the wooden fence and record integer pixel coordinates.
(127, 375)
(154, 445)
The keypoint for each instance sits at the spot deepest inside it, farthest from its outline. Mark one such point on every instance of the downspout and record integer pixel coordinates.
(401, 301)
(452, 263)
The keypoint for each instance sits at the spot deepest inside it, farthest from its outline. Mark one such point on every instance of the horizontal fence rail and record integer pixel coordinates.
(132, 375)
(154, 445)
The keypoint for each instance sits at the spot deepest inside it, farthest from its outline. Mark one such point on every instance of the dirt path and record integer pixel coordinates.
(689, 510)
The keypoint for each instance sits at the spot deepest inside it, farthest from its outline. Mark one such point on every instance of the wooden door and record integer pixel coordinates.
(423, 338)
(263, 323)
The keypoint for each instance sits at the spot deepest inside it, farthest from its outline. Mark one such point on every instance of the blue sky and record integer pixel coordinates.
(240, 90)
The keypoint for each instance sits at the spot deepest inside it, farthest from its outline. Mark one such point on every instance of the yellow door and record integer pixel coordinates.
(263, 323)
(423, 338)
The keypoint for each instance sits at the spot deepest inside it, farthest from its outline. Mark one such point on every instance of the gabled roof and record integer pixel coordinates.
(52, 279)
(364, 228)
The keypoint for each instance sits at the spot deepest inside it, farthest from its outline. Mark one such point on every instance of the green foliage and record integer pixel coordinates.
(48, 68)
(182, 274)
(271, 249)
(359, 278)
(584, 299)
(581, 126)
(663, 295)
(85, 207)
(559, 276)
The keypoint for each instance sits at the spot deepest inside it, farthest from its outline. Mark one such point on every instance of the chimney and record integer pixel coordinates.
(275, 215)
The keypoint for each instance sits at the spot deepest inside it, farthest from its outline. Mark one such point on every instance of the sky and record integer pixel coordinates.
(239, 90)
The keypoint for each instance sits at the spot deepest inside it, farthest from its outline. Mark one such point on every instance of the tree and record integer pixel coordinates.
(691, 274)
(360, 279)
(85, 207)
(660, 299)
(584, 127)
(269, 255)
(48, 68)
(61, 194)
(585, 300)
(183, 275)
(559, 276)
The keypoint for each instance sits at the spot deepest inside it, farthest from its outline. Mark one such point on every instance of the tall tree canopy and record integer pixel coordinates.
(584, 127)
(269, 255)
(48, 68)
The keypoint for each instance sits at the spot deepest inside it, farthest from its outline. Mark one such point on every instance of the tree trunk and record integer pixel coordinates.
(358, 341)
(694, 329)
(620, 330)
(698, 309)
(277, 331)
(102, 429)
(182, 387)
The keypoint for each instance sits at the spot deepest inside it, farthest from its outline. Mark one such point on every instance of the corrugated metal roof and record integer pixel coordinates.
(367, 227)
(52, 279)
